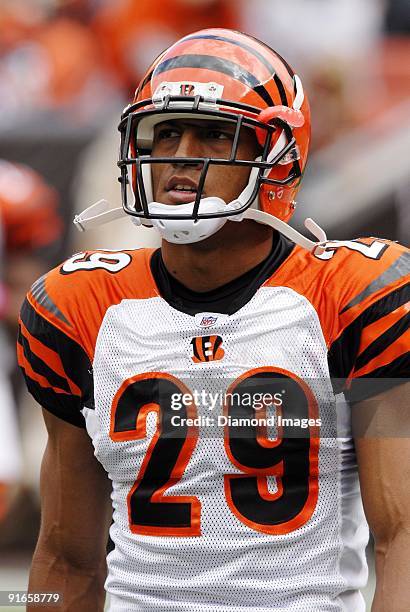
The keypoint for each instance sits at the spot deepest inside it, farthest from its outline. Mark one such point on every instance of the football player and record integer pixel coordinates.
(200, 384)
(31, 228)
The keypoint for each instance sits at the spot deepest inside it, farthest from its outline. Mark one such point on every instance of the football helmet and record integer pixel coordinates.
(28, 210)
(220, 75)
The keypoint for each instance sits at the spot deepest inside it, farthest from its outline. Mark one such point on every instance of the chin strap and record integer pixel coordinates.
(97, 214)
(101, 213)
(288, 231)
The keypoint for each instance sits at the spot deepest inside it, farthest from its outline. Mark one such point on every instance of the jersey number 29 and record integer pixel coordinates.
(292, 458)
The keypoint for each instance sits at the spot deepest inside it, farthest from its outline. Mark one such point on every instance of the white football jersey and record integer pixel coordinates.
(234, 477)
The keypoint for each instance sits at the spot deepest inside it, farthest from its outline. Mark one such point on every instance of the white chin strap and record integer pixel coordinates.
(188, 231)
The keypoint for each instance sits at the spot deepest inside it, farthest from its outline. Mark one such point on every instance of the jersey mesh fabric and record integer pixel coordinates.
(230, 566)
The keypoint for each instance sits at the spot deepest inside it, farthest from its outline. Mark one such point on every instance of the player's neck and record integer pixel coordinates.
(207, 265)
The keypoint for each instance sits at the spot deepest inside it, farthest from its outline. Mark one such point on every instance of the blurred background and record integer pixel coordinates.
(68, 67)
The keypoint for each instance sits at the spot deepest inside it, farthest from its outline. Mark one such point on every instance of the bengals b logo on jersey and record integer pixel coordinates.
(207, 348)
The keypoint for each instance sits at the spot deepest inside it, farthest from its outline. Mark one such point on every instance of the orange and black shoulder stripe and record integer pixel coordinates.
(373, 340)
(60, 320)
(56, 369)
(75, 295)
(363, 305)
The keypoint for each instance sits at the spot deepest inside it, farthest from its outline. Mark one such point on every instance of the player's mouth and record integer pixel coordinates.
(181, 190)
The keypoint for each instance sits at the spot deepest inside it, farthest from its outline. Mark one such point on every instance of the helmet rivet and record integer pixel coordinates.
(293, 204)
(271, 196)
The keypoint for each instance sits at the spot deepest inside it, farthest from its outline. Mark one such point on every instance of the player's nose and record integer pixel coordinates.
(189, 145)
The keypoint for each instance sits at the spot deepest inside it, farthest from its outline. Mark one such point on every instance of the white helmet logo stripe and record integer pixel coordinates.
(300, 94)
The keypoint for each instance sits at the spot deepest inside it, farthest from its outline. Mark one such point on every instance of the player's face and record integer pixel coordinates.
(177, 183)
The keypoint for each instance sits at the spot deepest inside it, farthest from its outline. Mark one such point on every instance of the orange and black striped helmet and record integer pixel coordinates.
(221, 74)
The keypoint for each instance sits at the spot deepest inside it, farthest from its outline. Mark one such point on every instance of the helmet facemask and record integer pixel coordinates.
(275, 137)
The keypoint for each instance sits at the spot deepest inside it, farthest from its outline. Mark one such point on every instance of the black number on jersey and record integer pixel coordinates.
(292, 458)
(171, 447)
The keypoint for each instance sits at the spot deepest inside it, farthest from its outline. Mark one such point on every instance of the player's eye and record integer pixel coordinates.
(166, 133)
(218, 134)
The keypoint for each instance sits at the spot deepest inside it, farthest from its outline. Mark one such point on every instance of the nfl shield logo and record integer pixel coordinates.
(208, 321)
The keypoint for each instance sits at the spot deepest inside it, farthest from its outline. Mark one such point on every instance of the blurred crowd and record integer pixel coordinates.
(80, 58)
(68, 67)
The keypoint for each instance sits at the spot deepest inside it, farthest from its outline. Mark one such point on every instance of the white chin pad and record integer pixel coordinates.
(188, 231)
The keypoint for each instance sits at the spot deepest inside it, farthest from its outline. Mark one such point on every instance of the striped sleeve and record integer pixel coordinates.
(56, 369)
(372, 352)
